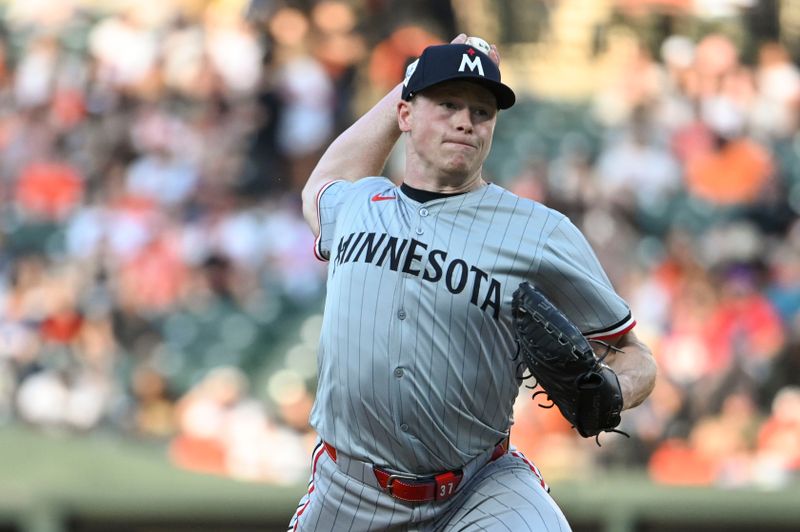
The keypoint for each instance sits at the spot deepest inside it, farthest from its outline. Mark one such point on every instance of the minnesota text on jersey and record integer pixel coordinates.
(414, 258)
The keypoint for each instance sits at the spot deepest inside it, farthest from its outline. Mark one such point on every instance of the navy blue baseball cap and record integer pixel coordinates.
(447, 62)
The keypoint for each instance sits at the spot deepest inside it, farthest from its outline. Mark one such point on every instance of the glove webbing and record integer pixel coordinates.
(608, 349)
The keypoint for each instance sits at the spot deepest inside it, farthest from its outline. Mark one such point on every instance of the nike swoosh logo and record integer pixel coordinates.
(378, 197)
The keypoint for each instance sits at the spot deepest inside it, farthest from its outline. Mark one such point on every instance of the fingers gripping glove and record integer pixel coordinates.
(562, 361)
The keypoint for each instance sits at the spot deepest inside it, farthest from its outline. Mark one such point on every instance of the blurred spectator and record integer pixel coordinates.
(306, 93)
(159, 176)
(774, 112)
(715, 57)
(69, 383)
(186, 68)
(233, 48)
(784, 288)
(387, 65)
(635, 86)
(778, 452)
(745, 324)
(573, 186)
(288, 241)
(307, 118)
(152, 280)
(532, 182)
(154, 409)
(126, 51)
(736, 172)
(340, 48)
(224, 431)
(34, 75)
(635, 172)
(203, 416)
(674, 106)
(49, 189)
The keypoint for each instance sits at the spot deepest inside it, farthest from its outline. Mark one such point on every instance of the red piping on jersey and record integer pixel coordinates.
(317, 254)
(310, 488)
(616, 333)
(532, 467)
(318, 240)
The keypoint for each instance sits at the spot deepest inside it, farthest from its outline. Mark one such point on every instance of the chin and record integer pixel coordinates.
(459, 167)
(459, 173)
(456, 169)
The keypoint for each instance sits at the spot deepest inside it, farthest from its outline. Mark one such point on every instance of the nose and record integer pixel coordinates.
(463, 120)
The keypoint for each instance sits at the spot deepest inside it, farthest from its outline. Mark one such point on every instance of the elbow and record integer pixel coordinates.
(316, 181)
(309, 193)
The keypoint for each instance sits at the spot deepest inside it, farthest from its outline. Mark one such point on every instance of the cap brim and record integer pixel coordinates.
(503, 94)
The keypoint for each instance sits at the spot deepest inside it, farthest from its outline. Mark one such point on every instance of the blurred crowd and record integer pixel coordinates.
(152, 243)
(153, 256)
(690, 196)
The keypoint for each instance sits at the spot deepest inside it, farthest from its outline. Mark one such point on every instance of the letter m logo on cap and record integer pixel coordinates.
(472, 63)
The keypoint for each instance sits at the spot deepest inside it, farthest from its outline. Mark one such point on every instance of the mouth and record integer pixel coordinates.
(460, 143)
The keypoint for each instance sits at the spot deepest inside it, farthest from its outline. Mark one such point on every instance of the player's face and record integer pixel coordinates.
(451, 127)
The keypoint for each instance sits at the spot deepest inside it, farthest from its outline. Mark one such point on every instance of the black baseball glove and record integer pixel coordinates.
(562, 361)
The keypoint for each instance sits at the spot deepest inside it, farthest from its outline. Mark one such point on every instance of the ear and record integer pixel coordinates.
(404, 113)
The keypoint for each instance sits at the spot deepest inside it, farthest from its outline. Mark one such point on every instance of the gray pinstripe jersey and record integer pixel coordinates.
(415, 360)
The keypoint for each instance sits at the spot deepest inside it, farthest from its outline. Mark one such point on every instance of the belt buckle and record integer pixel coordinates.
(392, 477)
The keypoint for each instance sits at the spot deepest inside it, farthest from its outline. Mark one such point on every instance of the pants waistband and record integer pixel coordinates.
(414, 488)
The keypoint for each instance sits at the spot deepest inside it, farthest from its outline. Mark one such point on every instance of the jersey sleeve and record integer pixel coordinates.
(329, 200)
(340, 196)
(572, 277)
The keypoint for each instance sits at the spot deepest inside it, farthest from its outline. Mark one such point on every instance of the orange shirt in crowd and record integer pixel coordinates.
(734, 175)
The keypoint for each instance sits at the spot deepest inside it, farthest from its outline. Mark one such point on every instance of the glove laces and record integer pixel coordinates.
(521, 365)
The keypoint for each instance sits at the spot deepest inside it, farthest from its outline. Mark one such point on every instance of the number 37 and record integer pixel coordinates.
(446, 489)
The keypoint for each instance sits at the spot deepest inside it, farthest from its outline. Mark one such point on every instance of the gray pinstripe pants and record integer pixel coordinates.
(507, 494)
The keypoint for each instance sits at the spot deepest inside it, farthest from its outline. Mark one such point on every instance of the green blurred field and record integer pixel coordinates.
(104, 483)
(45, 481)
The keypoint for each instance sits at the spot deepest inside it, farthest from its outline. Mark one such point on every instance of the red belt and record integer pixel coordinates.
(411, 488)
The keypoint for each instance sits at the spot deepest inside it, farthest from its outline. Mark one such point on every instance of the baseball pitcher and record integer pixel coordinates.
(442, 293)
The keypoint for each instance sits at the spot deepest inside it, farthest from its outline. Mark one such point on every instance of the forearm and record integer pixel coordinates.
(360, 151)
(635, 368)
